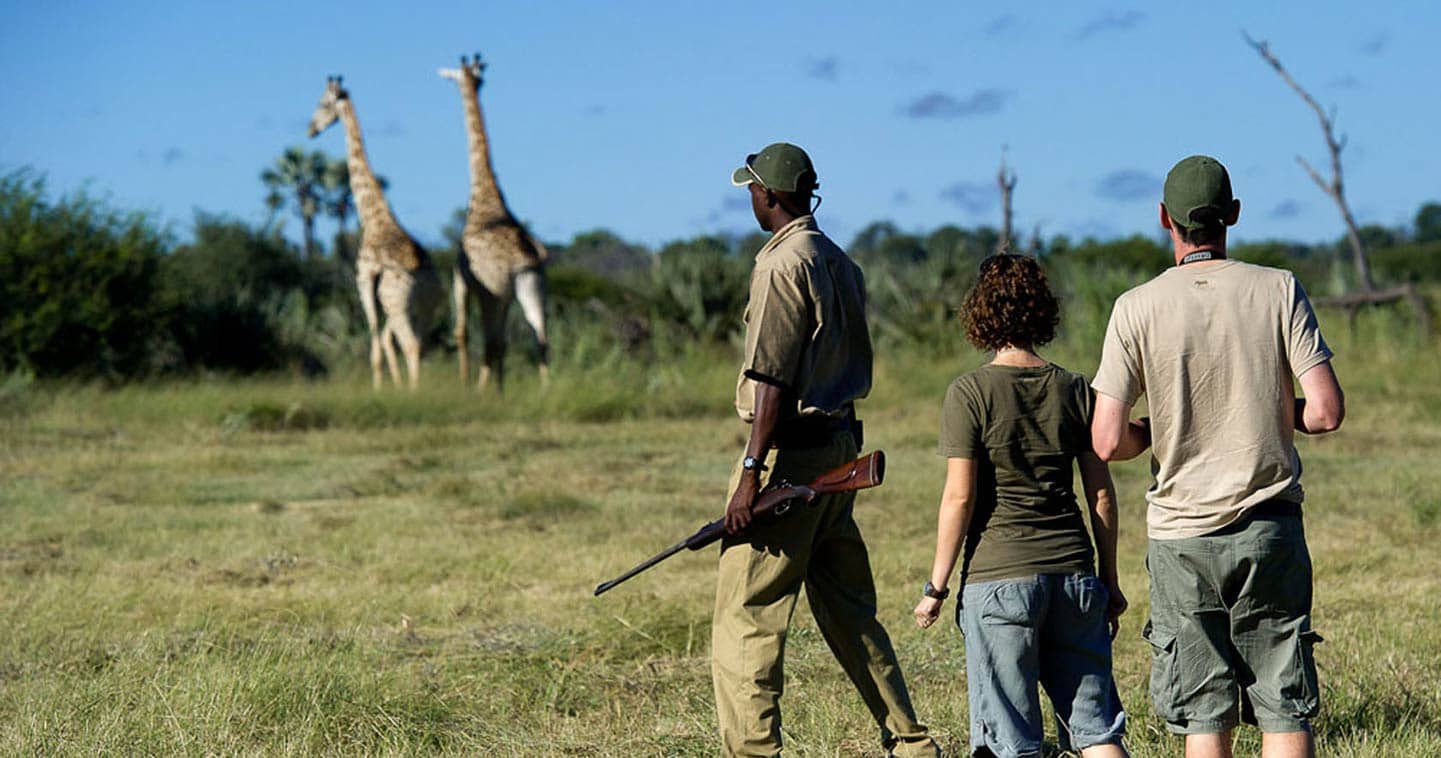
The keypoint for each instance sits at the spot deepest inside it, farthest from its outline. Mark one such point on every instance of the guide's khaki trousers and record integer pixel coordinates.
(759, 579)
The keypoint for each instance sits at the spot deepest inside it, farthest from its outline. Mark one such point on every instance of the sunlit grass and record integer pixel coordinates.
(282, 567)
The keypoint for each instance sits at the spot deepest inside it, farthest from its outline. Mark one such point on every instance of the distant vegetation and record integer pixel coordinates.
(92, 291)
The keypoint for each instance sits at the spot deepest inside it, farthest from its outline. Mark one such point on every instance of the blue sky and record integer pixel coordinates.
(631, 115)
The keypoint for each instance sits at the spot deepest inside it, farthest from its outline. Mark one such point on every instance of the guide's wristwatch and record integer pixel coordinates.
(752, 463)
(930, 591)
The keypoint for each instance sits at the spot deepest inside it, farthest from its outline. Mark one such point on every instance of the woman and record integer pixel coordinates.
(1033, 610)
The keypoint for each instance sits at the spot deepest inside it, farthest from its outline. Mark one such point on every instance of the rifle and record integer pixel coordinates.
(773, 502)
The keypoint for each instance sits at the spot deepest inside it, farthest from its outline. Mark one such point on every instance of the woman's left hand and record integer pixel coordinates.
(1115, 607)
(927, 611)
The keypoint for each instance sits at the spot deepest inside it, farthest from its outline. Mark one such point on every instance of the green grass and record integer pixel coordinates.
(272, 567)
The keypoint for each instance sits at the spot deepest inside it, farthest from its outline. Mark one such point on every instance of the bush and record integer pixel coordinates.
(1416, 262)
(918, 303)
(244, 300)
(1135, 254)
(77, 283)
(1088, 291)
(17, 395)
(220, 290)
(1313, 266)
(601, 252)
(272, 417)
(699, 287)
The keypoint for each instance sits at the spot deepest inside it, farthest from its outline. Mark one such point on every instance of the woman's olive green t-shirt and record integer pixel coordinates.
(1024, 427)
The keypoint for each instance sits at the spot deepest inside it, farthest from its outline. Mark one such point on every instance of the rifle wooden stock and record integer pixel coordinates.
(775, 501)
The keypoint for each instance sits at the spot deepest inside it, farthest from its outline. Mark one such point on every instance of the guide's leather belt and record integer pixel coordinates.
(804, 432)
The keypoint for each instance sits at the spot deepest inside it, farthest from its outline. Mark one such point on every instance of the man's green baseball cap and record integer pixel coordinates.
(1198, 192)
(781, 166)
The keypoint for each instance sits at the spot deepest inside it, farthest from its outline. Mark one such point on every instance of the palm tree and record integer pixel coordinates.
(339, 204)
(298, 179)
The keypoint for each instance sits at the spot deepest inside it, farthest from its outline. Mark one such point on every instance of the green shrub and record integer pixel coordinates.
(699, 287)
(1312, 265)
(272, 417)
(1415, 262)
(17, 395)
(1135, 253)
(78, 284)
(243, 299)
(918, 303)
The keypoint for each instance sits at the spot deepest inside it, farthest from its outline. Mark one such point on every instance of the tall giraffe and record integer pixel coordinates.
(391, 268)
(498, 258)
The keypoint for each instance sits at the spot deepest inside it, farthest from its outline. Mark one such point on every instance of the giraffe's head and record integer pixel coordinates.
(468, 75)
(329, 108)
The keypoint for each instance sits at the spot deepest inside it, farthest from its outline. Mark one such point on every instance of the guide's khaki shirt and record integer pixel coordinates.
(805, 324)
(1214, 348)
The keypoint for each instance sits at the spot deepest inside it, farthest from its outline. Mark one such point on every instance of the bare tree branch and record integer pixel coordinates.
(1315, 177)
(1006, 180)
(1336, 187)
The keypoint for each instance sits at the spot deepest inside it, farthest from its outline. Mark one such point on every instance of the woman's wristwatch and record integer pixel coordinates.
(930, 591)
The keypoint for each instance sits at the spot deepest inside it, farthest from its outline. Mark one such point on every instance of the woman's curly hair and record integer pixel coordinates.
(1011, 304)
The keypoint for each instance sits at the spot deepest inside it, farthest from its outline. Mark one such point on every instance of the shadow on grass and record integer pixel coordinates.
(541, 509)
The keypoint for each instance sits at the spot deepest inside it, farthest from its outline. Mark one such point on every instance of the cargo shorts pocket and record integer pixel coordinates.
(1304, 692)
(1164, 673)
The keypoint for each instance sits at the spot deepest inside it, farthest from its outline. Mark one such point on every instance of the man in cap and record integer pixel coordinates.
(1214, 344)
(807, 360)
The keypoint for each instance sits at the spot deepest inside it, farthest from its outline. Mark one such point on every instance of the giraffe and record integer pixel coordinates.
(498, 259)
(392, 270)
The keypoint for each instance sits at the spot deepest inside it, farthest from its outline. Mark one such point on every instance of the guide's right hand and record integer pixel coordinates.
(738, 511)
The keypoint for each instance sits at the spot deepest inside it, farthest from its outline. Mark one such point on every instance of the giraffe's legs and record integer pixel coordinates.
(461, 295)
(377, 360)
(409, 341)
(530, 291)
(387, 343)
(492, 316)
(365, 281)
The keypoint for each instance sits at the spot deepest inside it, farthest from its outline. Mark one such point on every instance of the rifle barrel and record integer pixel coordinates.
(866, 471)
(642, 566)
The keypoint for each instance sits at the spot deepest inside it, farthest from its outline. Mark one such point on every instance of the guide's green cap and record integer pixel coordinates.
(1198, 192)
(781, 166)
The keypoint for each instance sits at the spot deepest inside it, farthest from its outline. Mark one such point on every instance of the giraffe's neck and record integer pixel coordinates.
(375, 214)
(486, 202)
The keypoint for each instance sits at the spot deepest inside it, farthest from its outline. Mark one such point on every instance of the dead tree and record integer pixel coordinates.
(1335, 189)
(1006, 181)
(1034, 248)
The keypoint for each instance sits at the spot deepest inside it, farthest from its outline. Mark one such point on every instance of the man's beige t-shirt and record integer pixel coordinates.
(805, 325)
(1214, 346)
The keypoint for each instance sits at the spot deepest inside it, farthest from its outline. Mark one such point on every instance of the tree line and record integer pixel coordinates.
(92, 291)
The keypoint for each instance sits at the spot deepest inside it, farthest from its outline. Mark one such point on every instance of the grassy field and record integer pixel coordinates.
(283, 568)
